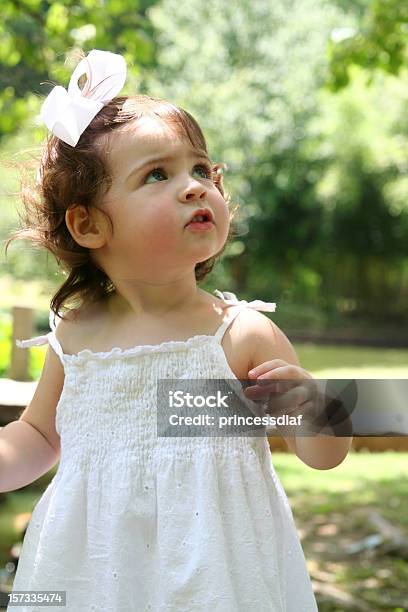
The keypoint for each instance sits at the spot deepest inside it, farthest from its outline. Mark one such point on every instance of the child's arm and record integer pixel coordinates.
(269, 343)
(30, 447)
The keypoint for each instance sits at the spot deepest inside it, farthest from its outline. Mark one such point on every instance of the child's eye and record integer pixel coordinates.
(203, 168)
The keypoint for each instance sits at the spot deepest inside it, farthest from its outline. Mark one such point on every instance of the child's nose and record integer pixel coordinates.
(194, 190)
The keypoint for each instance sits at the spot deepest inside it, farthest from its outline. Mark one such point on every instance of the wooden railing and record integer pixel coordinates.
(23, 327)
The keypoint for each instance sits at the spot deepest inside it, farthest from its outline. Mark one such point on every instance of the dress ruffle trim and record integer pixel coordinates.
(169, 345)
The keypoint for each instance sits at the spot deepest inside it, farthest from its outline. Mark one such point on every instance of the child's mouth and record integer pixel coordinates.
(200, 225)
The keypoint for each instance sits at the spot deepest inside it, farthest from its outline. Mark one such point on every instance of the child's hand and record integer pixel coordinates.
(295, 393)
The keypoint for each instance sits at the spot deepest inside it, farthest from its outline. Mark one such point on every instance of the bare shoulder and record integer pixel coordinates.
(75, 324)
(266, 341)
(65, 330)
(253, 338)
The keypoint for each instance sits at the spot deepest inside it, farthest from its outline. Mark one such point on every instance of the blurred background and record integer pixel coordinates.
(306, 103)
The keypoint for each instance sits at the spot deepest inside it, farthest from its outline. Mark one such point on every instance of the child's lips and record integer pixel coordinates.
(205, 213)
(200, 226)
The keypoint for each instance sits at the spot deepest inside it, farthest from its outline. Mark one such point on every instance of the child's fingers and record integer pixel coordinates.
(281, 372)
(262, 387)
(282, 389)
(265, 367)
(262, 391)
(286, 372)
(289, 401)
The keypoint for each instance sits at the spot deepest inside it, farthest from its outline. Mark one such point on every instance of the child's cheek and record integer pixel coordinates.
(161, 232)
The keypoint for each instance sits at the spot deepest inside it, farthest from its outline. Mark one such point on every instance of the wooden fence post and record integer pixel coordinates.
(23, 328)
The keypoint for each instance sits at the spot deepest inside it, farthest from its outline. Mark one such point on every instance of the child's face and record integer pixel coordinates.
(150, 208)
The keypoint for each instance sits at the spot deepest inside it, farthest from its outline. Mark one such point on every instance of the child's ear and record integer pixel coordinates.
(87, 225)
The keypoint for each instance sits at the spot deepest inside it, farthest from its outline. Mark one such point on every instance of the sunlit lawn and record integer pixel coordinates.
(331, 510)
(353, 361)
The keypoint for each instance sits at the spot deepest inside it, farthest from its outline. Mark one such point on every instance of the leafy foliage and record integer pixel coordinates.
(379, 42)
(35, 36)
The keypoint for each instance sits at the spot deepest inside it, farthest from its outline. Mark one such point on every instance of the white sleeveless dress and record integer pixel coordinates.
(133, 522)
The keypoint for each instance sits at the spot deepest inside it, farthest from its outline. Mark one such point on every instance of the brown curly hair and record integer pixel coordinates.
(69, 176)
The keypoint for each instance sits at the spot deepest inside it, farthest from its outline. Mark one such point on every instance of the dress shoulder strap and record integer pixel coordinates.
(232, 300)
(40, 340)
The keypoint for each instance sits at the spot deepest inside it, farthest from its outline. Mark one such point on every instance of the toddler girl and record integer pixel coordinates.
(132, 205)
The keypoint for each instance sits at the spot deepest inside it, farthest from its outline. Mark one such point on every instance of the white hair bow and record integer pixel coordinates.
(68, 113)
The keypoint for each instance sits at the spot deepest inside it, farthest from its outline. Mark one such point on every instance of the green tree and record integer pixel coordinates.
(378, 42)
(364, 195)
(37, 35)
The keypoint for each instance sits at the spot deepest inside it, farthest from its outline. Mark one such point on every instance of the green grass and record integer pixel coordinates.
(314, 357)
(374, 479)
(331, 509)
